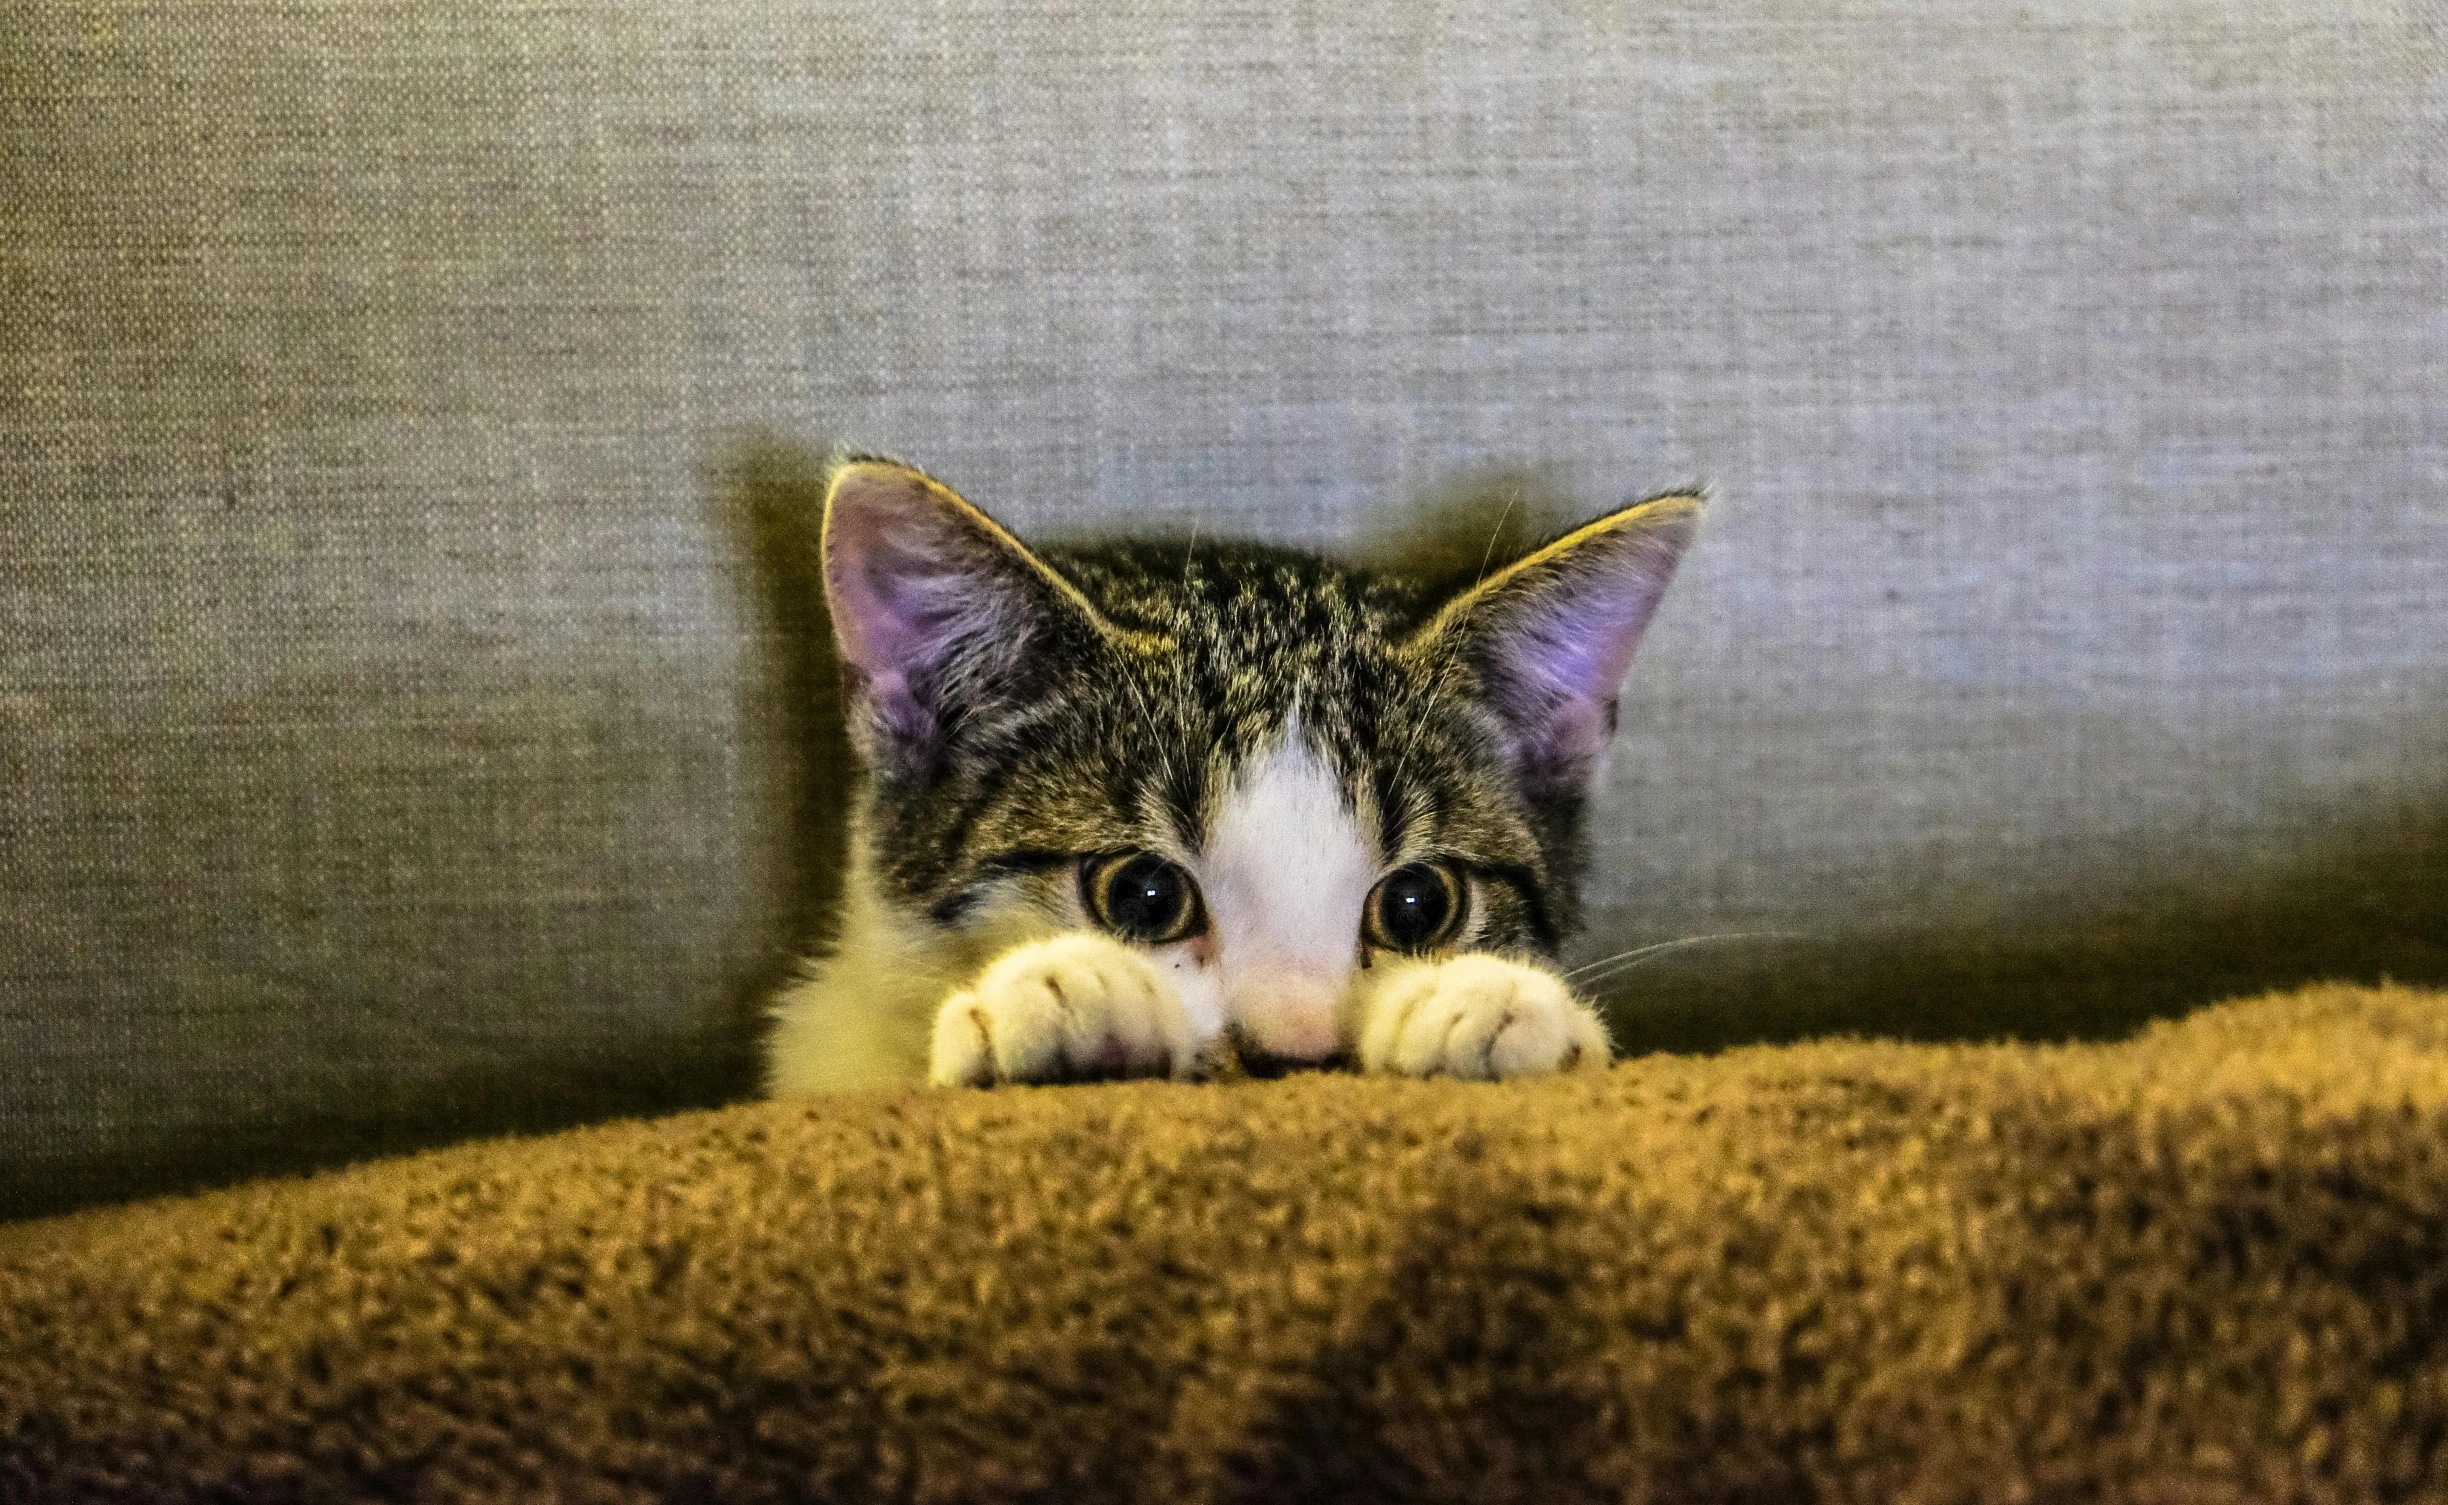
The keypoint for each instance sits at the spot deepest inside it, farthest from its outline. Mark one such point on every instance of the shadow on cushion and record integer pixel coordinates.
(2207, 1263)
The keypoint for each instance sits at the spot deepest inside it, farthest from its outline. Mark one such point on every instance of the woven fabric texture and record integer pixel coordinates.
(402, 728)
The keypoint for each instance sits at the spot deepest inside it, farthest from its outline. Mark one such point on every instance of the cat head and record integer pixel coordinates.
(1269, 769)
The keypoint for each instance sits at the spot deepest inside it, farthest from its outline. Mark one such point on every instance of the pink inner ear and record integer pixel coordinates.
(893, 573)
(1581, 646)
(1558, 639)
(908, 587)
(888, 602)
(1558, 668)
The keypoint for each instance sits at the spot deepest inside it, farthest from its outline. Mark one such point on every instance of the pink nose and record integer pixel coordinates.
(1288, 1015)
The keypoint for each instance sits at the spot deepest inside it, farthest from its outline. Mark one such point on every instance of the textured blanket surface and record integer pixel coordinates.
(2210, 1263)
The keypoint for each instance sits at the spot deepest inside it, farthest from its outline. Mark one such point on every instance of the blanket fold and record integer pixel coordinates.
(2209, 1263)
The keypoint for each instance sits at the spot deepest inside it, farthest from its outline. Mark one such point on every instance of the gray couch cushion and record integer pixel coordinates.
(396, 744)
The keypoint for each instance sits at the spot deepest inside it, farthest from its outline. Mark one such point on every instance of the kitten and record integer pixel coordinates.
(1127, 806)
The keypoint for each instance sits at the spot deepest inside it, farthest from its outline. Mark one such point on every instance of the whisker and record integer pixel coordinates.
(1512, 495)
(1624, 961)
(1487, 556)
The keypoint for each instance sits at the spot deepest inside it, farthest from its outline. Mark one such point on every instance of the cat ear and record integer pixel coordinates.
(935, 607)
(1551, 635)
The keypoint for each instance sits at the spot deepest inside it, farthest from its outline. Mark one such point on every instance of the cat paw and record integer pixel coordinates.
(1479, 1016)
(1076, 1006)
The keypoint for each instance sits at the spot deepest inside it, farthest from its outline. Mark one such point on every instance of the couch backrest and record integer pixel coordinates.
(396, 454)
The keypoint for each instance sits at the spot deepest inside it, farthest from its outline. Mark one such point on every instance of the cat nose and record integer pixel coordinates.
(1288, 1015)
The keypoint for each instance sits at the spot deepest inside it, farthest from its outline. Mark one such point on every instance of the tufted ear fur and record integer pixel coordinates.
(936, 609)
(1551, 635)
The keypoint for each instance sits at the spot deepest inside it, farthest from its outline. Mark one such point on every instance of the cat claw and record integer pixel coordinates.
(1071, 1008)
(1480, 1017)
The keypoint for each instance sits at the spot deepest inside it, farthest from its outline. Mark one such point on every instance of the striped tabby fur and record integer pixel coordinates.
(1226, 707)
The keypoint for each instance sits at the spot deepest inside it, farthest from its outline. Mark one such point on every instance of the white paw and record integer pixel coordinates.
(1479, 1016)
(1078, 1005)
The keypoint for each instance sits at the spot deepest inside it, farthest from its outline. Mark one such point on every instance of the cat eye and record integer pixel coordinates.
(1413, 908)
(1142, 897)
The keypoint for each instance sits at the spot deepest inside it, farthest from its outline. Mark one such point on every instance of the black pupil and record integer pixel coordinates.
(1413, 905)
(1144, 897)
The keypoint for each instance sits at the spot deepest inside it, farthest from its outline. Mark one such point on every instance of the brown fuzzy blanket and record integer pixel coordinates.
(2207, 1264)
